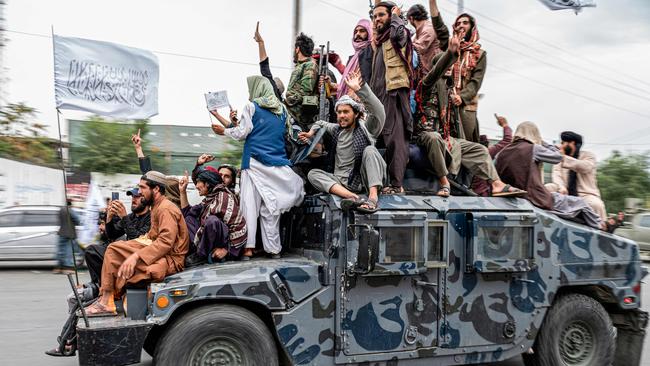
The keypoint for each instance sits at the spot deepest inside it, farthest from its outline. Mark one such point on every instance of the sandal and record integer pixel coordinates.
(69, 351)
(98, 309)
(371, 206)
(445, 191)
(392, 190)
(509, 191)
(350, 203)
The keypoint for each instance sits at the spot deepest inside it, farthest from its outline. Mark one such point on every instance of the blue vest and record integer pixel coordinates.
(265, 142)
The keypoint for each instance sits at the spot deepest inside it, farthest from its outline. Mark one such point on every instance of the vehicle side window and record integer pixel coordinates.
(10, 219)
(645, 221)
(402, 244)
(435, 242)
(502, 242)
(40, 218)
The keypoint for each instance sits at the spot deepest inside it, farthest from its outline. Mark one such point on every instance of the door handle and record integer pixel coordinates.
(424, 284)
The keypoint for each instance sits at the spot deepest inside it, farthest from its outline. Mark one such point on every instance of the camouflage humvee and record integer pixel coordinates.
(424, 281)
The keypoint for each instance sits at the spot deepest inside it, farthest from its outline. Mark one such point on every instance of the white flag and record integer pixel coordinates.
(575, 5)
(94, 203)
(105, 78)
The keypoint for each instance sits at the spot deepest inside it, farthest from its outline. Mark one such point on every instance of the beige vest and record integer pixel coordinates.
(397, 75)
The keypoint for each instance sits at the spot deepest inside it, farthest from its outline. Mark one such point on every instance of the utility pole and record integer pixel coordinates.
(461, 6)
(3, 42)
(296, 23)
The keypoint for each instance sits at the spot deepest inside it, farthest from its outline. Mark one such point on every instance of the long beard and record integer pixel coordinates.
(139, 208)
(147, 201)
(384, 27)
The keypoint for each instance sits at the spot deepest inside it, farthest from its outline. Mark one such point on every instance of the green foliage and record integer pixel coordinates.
(231, 155)
(624, 176)
(22, 138)
(107, 147)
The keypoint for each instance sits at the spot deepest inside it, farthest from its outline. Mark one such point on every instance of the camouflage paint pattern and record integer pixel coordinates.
(461, 310)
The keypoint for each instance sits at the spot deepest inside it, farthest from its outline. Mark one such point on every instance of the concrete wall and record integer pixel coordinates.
(27, 184)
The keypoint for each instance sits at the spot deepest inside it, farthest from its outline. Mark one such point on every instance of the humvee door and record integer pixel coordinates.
(393, 309)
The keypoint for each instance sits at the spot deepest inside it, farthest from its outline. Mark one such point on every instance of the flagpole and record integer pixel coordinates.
(65, 178)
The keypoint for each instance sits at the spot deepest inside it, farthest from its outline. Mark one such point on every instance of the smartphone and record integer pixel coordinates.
(115, 196)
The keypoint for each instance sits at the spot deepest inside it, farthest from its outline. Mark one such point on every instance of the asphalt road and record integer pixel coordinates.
(33, 309)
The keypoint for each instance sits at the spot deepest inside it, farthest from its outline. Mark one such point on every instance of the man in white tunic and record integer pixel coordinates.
(268, 186)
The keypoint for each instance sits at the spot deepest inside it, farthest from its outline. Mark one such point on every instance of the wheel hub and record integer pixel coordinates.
(217, 352)
(577, 344)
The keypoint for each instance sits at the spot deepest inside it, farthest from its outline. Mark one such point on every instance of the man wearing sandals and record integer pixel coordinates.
(216, 226)
(151, 257)
(445, 153)
(357, 163)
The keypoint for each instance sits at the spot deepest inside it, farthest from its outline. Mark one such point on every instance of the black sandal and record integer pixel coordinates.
(509, 191)
(372, 206)
(350, 203)
(390, 190)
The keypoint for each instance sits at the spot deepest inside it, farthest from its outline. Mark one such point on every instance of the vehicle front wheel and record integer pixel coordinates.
(217, 335)
(577, 331)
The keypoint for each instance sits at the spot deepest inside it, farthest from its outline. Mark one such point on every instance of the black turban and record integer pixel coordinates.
(569, 136)
(387, 4)
(209, 176)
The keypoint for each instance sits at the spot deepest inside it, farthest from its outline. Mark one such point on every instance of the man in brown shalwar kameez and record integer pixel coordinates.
(391, 80)
(159, 253)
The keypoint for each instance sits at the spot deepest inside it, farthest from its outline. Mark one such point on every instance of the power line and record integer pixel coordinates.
(571, 92)
(551, 45)
(531, 79)
(203, 58)
(542, 53)
(566, 71)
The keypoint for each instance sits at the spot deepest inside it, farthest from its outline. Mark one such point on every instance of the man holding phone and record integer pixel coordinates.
(118, 224)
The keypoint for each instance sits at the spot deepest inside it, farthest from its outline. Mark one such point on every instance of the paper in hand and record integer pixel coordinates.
(216, 100)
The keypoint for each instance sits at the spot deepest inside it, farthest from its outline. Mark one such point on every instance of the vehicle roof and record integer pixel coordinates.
(453, 203)
(31, 208)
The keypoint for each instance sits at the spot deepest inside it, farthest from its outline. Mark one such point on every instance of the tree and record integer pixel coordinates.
(624, 176)
(23, 139)
(107, 147)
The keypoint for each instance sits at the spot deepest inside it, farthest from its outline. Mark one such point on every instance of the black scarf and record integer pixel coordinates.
(359, 142)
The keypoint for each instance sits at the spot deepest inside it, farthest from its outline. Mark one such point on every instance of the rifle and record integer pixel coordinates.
(324, 104)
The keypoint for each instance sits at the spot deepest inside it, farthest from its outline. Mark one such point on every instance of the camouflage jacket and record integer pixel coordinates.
(302, 83)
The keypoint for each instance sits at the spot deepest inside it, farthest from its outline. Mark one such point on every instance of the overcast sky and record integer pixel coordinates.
(585, 72)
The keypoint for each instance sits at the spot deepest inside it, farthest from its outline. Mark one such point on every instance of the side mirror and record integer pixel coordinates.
(368, 253)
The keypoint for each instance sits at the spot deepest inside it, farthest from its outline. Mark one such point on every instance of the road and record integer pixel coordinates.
(33, 309)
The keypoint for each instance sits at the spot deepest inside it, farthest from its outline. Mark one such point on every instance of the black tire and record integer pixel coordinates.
(228, 334)
(577, 331)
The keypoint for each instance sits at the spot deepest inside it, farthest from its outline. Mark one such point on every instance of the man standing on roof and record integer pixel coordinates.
(467, 75)
(361, 61)
(391, 81)
(431, 35)
(357, 165)
(268, 186)
(303, 83)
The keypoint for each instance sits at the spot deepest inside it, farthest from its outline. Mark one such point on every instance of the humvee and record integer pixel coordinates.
(426, 280)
